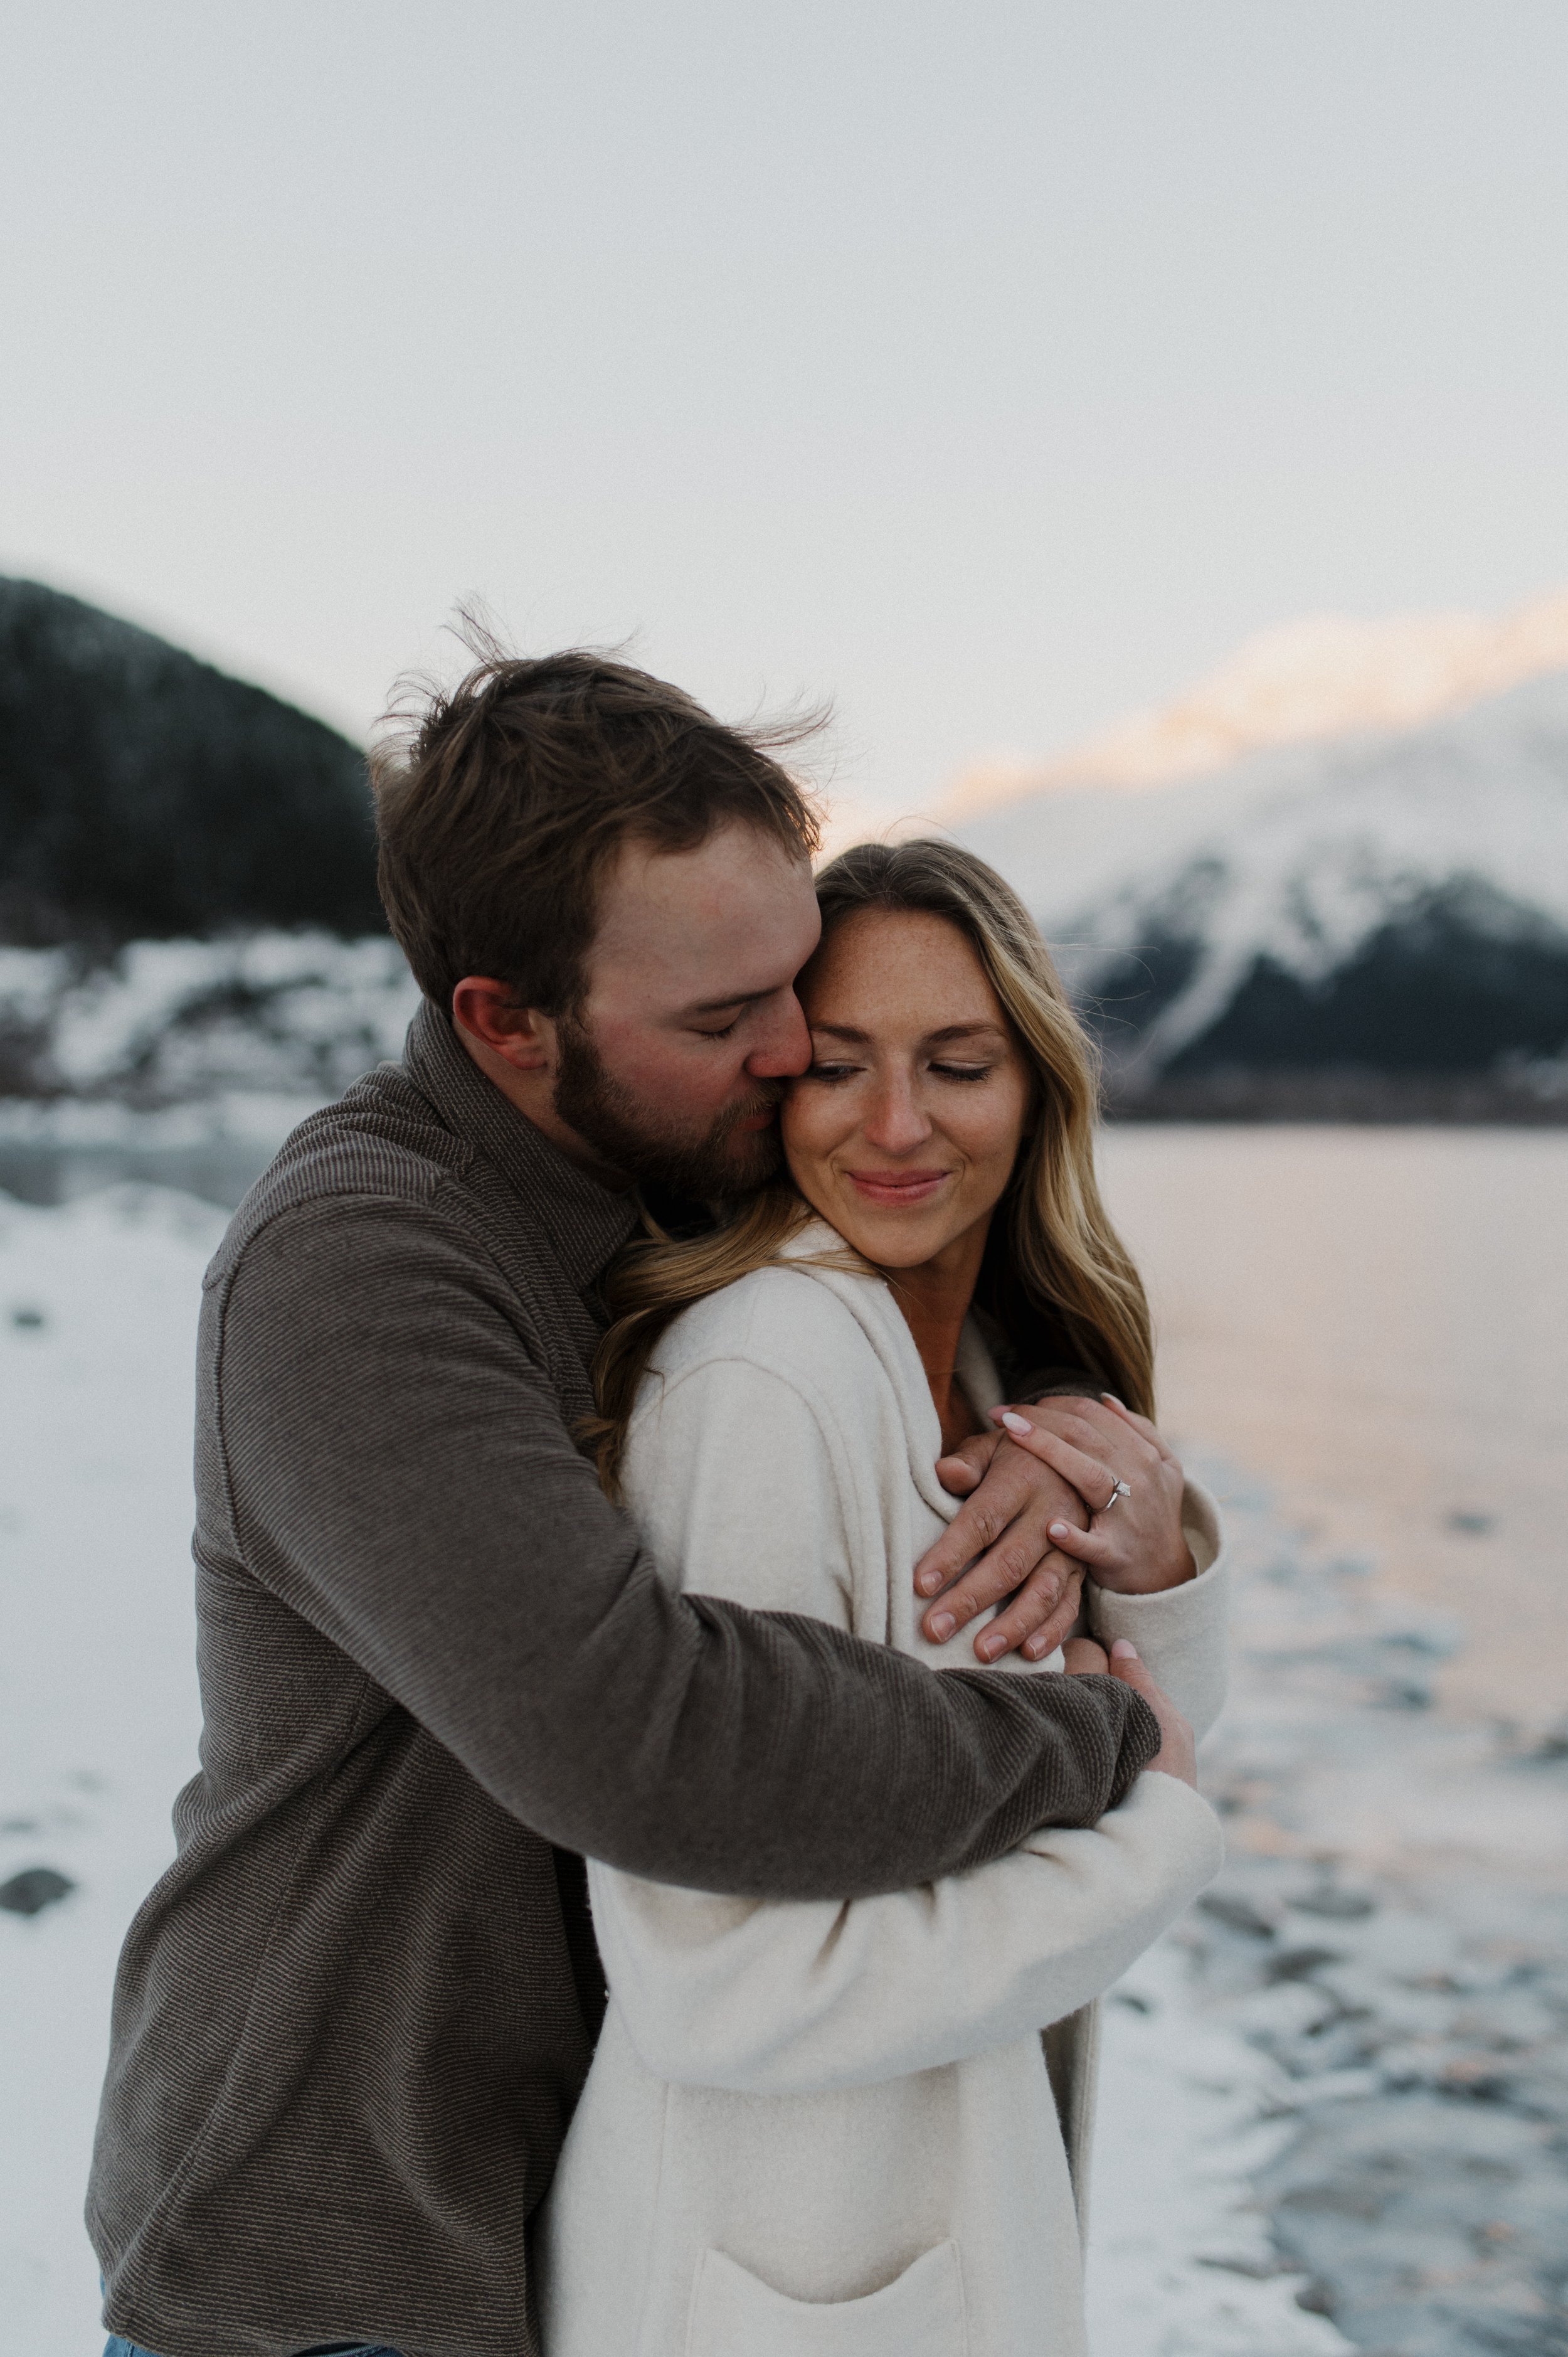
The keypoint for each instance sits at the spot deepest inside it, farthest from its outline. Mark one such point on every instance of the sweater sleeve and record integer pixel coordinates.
(387, 1454)
(775, 1999)
(779, 1998)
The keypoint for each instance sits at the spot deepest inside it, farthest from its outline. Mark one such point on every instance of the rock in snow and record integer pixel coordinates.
(35, 1887)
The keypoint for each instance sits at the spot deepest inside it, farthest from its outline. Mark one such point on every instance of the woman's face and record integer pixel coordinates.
(905, 1131)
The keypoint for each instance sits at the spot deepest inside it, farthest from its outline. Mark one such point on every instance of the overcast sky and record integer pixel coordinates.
(991, 368)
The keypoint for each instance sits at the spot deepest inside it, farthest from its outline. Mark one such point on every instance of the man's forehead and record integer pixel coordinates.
(740, 893)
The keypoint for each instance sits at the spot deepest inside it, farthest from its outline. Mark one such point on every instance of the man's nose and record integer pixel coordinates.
(896, 1123)
(785, 1048)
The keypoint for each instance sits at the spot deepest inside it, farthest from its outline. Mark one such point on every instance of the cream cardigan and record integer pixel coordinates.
(822, 2130)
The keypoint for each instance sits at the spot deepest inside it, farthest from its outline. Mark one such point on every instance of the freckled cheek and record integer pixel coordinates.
(807, 1138)
(991, 1149)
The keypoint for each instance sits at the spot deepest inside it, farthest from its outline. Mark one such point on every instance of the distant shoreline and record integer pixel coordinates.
(1459, 1101)
(56, 1148)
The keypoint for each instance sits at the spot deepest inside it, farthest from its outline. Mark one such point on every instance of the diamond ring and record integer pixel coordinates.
(1121, 1491)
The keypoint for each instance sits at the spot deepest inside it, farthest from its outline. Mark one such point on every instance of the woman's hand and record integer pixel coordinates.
(1133, 1543)
(1177, 1754)
(998, 1550)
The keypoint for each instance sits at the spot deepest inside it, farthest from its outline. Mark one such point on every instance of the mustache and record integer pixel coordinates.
(768, 1093)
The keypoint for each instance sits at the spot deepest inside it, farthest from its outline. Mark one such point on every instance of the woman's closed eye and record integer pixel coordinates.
(837, 1069)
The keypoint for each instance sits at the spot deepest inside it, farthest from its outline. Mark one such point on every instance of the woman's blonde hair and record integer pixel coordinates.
(1058, 1279)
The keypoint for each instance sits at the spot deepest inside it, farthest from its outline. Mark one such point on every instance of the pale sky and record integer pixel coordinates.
(990, 368)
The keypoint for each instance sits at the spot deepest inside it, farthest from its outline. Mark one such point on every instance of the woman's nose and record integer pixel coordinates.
(896, 1123)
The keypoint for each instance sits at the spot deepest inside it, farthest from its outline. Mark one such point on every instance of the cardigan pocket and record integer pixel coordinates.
(919, 2314)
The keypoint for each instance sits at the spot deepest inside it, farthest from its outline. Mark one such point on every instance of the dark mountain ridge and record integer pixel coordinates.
(147, 796)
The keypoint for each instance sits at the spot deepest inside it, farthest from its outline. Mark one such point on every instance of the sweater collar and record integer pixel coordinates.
(584, 1222)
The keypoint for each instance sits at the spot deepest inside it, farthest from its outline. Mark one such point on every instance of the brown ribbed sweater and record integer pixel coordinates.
(436, 1668)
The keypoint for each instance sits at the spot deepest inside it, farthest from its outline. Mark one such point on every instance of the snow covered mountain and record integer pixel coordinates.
(1329, 675)
(1392, 904)
(187, 902)
(1377, 912)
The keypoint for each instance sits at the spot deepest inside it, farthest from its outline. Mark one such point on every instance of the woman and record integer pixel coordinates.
(819, 2128)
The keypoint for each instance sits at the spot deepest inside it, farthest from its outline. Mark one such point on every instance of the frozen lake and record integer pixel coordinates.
(1338, 2089)
(1376, 1322)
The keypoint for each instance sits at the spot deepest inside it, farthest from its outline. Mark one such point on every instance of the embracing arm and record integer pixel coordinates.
(777, 1998)
(769, 1998)
(392, 1461)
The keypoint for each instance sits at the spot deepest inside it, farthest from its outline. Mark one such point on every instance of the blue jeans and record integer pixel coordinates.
(118, 2348)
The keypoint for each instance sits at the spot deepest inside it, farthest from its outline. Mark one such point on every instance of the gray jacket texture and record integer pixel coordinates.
(437, 1669)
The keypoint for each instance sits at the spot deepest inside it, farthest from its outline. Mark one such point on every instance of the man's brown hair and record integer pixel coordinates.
(499, 804)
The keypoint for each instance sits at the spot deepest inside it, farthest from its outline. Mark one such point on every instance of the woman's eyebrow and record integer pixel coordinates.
(931, 1039)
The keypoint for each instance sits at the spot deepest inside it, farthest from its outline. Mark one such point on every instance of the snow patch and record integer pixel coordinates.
(165, 1023)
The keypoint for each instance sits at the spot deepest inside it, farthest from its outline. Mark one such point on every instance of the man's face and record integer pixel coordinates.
(672, 1069)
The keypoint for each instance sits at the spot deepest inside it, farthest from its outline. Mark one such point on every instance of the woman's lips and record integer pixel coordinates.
(896, 1187)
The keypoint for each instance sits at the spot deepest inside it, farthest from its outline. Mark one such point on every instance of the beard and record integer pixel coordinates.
(705, 1162)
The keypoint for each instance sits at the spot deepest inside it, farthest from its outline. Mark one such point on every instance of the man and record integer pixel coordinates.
(437, 1669)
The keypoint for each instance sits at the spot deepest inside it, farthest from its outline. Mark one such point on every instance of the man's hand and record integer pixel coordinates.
(1011, 1499)
(1177, 1754)
(1134, 1543)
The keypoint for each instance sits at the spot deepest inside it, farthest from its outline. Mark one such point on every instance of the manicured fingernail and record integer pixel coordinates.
(941, 1626)
(1062, 1530)
(1125, 1649)
(1115, 1401)
(1014, 1423)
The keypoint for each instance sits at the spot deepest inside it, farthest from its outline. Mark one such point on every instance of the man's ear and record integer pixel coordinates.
(520, 1036)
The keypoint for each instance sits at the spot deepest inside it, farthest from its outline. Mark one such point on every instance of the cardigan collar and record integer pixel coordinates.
(584, 1222)
(819, 1251)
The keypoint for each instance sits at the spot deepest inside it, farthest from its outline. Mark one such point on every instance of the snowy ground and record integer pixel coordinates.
(97, 1704)
(1338, 2087)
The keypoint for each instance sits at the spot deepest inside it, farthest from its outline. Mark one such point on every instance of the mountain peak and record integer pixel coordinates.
(1323, 677)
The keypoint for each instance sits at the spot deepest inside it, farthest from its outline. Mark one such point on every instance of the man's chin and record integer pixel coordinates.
(714, 1170)
(718, 1170)
(755, 1157)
